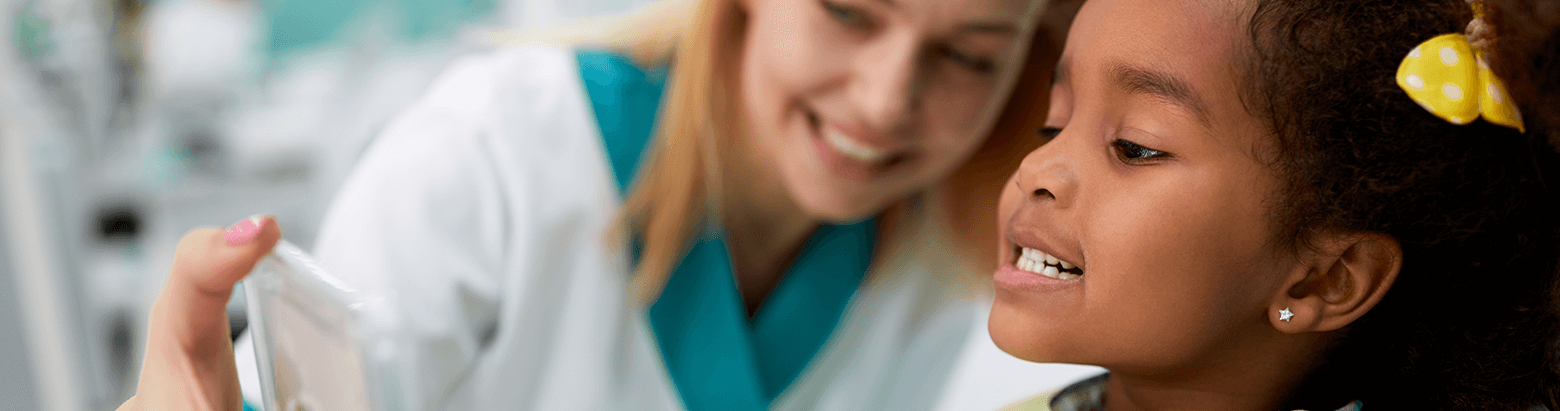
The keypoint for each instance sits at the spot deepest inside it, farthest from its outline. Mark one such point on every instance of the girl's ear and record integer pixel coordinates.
(1337, 282)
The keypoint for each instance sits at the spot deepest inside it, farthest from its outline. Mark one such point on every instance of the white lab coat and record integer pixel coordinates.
(483, 211)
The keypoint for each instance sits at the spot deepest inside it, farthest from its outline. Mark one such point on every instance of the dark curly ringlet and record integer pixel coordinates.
(1471, 322)
(1526, 55)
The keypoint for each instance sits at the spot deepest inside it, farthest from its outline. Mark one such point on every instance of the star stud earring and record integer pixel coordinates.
(1285, 314)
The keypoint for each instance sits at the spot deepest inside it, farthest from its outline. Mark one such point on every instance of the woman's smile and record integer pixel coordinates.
(856, 151)
(859, 104)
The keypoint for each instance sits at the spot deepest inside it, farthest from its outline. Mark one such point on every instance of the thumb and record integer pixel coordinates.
(209, 261)
(206, 265)
(189, 360)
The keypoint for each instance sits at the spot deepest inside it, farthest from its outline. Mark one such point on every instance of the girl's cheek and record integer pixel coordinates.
(1005, 204)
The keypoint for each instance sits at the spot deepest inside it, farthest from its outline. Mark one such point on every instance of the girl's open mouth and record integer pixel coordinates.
(1038, 262)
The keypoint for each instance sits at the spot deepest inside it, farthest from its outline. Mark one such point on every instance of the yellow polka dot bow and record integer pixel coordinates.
(1450, 77)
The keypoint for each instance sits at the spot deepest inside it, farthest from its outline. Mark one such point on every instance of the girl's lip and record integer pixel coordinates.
(1019, 239)
(1023, 230)
(1010, 278)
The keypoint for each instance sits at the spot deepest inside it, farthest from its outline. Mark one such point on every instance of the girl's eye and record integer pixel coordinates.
(1049, 133)
(1132, 153)
(978, 65)
(844, 14)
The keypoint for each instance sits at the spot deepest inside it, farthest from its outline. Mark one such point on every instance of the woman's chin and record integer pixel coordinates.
(837, 206)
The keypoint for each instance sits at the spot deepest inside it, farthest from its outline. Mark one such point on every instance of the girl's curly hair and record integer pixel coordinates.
(1471, 322)
(1526, 54)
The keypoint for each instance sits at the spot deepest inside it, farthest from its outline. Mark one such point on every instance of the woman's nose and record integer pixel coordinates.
(1049, 175)
(884, 83)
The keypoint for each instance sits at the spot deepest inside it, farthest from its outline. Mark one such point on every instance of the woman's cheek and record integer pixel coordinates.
(955, 109)
(950, 130)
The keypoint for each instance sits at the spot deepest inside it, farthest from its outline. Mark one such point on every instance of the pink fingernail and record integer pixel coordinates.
(243, 233)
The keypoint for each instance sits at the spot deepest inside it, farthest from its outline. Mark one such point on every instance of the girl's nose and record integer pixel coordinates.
(884, 81)
(1049, 175)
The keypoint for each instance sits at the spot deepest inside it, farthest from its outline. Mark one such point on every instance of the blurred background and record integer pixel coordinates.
(124, 123)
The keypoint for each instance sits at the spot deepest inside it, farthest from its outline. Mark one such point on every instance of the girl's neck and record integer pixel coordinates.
(1249, 376)
(765, 229)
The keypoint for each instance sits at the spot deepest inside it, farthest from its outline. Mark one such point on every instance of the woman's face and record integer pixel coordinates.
(1150, 195)
(858, 103)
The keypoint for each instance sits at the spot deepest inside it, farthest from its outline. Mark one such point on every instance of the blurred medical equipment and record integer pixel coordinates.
(63, 94)
(124, 123)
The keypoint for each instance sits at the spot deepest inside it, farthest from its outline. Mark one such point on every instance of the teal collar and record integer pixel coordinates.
(718, 358)
(625, 100)
(711, 347)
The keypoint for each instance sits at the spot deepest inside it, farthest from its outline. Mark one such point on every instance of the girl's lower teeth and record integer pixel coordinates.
(1047, 267)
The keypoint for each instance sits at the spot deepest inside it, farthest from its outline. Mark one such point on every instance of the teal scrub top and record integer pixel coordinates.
(718, 357)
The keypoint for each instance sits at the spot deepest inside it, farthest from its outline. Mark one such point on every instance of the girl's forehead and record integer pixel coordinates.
(1176, 55)
(1180, 51)
(1181, 32)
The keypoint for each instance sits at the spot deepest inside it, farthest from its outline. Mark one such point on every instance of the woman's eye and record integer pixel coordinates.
(1132, 153)
(979, 65)
(844, 14)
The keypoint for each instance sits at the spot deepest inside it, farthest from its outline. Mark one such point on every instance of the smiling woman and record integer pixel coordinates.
(848, 105)
(846, 109)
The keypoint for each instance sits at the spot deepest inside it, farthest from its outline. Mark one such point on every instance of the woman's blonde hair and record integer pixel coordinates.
(679, 186)
(675, 193)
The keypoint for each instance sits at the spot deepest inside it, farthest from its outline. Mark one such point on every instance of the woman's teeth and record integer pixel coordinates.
(851, 148)
(1038, 262)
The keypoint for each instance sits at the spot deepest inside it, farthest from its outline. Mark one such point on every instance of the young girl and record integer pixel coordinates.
(1239, 208)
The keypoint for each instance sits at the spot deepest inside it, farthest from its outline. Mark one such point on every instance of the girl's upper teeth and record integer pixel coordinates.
(1039, 262)
(851, 148)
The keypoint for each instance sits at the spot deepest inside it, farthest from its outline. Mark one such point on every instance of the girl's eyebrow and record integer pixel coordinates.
(1163, 86)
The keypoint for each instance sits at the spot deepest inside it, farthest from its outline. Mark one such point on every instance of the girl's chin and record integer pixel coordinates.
(1025, 331)
(1022, 348)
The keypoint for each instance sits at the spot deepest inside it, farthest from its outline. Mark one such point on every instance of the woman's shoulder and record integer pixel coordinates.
(483, 82)
(509, 127)
(480, 136)
(505, 103)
